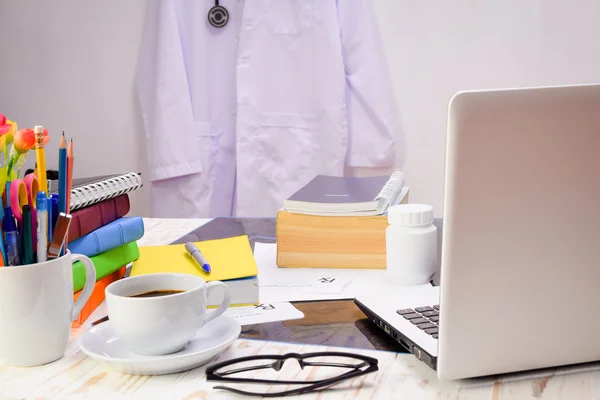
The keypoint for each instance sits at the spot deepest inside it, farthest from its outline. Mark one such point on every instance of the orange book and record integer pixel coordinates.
(97, 296)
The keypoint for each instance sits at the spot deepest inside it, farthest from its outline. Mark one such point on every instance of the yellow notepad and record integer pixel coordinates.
(229, 258)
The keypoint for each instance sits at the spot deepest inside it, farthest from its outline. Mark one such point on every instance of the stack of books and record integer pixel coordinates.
(101, 230)
(338, 222)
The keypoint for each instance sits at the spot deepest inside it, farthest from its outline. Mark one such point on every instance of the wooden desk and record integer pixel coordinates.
(335, 323)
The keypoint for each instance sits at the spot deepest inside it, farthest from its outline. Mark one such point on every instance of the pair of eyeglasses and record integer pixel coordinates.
(352, 366)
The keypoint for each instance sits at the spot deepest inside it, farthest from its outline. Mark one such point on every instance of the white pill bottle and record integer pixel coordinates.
(411, 244)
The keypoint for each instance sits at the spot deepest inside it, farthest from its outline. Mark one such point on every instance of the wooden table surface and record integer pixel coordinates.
(338, 323)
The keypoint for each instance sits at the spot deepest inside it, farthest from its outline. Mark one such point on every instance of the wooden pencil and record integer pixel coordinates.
(62, 175)
(70, 161)
(62, 183)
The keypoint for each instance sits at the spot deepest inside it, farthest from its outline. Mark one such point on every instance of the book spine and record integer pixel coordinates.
(107, 237)
(97, 192)
(91, 218)
(106, 263)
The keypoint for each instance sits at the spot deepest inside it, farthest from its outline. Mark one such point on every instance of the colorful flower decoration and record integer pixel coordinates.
(46, 136)
(24, 140)
(5, 127)
(11, 133)
(14, 156)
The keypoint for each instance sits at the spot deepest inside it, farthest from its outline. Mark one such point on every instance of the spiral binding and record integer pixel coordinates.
(390, 190)
(97, 192)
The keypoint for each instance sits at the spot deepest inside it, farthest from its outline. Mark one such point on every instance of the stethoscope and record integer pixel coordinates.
(218, 15)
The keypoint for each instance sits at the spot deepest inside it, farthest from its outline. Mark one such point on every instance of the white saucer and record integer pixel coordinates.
(101, 343)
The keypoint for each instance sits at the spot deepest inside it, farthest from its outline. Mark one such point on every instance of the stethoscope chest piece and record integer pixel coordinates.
(218, 15)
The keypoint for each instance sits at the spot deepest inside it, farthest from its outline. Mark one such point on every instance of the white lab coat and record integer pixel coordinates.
(240, 117)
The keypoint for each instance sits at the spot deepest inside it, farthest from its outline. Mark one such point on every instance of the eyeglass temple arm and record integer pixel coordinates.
(244, 369)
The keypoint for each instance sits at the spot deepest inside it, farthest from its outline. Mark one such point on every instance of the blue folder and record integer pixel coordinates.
(117, 233)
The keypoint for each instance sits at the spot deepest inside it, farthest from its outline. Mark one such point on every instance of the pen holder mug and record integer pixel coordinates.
(37, 308)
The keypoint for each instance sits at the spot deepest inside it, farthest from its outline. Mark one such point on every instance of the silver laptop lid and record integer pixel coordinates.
(520, 277)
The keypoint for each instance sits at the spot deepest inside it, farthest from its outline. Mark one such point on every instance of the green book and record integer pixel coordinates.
(106, 263)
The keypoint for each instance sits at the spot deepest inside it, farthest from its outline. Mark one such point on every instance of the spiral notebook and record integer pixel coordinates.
(96, 189)
(348, 196)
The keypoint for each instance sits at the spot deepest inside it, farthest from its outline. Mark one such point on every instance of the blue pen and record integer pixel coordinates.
(2, 246)
(12, 238)
(197, 255)
(50, 218)
(54, 211)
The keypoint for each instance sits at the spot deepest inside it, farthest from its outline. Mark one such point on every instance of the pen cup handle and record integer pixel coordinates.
(90, 281)
(210, 286)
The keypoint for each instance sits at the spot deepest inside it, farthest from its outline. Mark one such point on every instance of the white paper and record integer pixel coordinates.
(350, 282)
(265, 312)
(324, 283)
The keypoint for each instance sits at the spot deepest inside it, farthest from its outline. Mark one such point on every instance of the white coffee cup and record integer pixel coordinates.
(37, 308)
(164, 324)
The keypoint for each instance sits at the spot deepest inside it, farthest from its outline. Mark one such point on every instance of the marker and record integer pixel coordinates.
(197, 255)
(12, 238)
(42, 227)
(27, 236)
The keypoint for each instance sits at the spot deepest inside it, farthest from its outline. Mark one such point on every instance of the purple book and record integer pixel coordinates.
(333, 195)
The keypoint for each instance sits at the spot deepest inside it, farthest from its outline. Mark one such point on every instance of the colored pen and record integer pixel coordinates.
(2, 245)
(40, 157)
(55, 212)
(58, 237)
(42, 227)
(194, 251)
(12, 238)
(49, 219)
(27, 236)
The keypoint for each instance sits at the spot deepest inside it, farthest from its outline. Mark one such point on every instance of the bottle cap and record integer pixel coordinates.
(41, 203)
(38, 129)
(410, 215)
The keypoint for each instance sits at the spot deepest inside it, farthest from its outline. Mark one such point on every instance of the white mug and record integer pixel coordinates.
(164, 324)
(37, 308)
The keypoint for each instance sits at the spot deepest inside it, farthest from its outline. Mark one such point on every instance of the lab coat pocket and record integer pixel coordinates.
(288, 147)
(206, 139)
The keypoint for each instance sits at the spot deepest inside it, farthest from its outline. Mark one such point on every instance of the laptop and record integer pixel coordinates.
(520, 251)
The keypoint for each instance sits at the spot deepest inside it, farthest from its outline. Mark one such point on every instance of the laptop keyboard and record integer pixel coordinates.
(425, 318)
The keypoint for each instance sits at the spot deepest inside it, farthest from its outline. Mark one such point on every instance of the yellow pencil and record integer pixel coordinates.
(40, 157)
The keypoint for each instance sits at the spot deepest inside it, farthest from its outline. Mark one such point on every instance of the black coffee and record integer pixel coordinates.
(157, 293)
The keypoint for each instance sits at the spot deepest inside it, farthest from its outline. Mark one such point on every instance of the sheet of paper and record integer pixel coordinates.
(265, 312)
(319, 284)
(299, 284)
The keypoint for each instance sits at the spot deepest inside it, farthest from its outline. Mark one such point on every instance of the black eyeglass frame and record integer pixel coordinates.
(212, 373)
